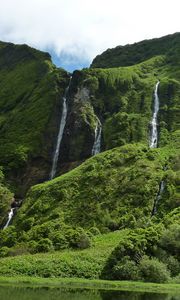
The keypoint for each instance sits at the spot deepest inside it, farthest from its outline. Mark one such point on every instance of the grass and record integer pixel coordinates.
(87, 263)
(91, 284)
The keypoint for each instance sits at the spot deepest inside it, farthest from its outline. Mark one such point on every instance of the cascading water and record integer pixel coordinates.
(10, 216)
(60, 133)
(154, 133)
(97, 138)
(153, 142)
(158, 197)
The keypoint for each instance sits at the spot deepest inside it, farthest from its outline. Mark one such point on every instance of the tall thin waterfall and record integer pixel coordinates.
(60, 133)
(97, 138)
(153, 141)
(158, 197)
(10, 215)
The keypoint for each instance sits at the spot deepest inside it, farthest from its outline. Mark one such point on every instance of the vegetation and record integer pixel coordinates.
(133, 54)
(89, 284)
(113, 190)
(87, 263)
(136, 255)
(6, 198)
(97, 220)
(29, 90)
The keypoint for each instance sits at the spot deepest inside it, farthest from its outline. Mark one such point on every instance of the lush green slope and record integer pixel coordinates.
(132, 54)
(122, 98)
(30, 89)
(87, 263)
(114, 190)
(117, 255)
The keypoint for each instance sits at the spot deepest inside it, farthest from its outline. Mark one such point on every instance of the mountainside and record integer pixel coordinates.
(30, 89)
(110, 111)
(133, 54)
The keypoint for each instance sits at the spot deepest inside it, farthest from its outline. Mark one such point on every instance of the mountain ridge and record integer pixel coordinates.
(131, 54)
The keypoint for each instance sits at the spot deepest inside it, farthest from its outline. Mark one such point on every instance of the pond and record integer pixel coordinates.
(43, 293)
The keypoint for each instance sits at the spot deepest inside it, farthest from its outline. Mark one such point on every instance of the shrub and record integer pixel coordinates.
(170, 240)
(94, 231)
(32, 246)
(4, 251)
(176, 279)
(59, 241)
(126, 269)
(83, 241)
(28, 223)
(78, 238)
(173, 265)
(152, 270)
(8, 237)
(44, 245)
(18, 249)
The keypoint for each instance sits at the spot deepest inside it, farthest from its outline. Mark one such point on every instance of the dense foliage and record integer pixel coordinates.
(132, 54)
(6, 198)
(29, 90)
(105, 218)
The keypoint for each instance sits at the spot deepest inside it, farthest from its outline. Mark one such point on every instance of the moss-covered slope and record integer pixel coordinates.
(31, 90)
(113, 190)
(132, 54)
(122, 98)
(31, 104)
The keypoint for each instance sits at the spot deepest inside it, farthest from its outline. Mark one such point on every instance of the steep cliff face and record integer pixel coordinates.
(31, 90)
(122, 99)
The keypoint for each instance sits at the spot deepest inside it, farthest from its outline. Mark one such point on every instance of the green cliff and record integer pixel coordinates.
(133, 54)
(118, 189)
(30, 89)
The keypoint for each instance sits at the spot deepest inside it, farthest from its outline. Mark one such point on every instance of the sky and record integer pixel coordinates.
(75, 31)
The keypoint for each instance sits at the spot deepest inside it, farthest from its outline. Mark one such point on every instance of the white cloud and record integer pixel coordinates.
(84, 28)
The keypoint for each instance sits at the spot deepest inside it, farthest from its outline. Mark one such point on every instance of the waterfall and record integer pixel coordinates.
(10, 215)
(60, 133)
(158, 197)
(97, 138)
(154, 133)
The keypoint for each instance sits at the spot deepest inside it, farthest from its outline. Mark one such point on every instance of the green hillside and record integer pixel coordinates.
(30, 88)
(119, 209)
(132, 54)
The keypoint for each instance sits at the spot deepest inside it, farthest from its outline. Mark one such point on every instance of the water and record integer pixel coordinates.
(97, 138)
(10, 216)
(60, 133)
(154, 133)
(161, 190)
(25, 293)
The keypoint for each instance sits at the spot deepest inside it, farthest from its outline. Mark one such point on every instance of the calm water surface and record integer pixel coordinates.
(24, 293)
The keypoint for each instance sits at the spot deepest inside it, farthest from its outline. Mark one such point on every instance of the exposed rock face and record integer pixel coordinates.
(79, 132)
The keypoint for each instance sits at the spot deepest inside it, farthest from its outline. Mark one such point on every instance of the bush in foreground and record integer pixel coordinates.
(152, 270)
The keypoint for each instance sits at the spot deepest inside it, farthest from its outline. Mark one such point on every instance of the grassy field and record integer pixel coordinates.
(91, 284)
(87, 263)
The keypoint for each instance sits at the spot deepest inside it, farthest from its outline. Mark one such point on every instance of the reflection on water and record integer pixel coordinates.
(24, 293)
(121, 295)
